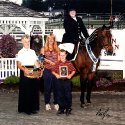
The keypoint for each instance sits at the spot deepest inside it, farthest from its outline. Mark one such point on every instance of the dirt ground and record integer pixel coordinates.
(107, 108)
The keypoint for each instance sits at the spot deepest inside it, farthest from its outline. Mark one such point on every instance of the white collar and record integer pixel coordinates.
(74, 18)
(26, 49)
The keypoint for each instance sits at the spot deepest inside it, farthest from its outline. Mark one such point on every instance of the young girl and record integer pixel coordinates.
(51, 53)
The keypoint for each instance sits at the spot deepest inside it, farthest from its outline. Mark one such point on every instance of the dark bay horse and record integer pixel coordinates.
(87, 60)
(36, 43)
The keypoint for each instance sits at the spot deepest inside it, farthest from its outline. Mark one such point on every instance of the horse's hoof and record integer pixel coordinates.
(88, 101)
(82, 105)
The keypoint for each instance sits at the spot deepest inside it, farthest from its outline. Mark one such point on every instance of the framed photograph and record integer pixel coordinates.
(63, 70)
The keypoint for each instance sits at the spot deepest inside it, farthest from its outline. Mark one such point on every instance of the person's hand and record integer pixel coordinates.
(69, 77)
(40, 74)
(87, 41)
(57, 76)
(27, 71)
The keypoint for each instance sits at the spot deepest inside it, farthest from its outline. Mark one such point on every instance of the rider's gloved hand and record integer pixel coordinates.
(87, 41)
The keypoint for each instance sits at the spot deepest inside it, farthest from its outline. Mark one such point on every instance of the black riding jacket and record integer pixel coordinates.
(73, 30)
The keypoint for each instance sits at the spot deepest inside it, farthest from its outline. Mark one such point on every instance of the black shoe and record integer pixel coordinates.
(68, 111)
(34, 112)
(28, 113)
(88, 101)
(82, 105)
(60, 112)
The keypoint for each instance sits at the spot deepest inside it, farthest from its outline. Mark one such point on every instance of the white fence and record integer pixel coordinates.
(8, 67)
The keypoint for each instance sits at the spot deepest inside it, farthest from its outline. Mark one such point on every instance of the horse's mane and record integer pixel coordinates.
(93, 37)
(96, 35)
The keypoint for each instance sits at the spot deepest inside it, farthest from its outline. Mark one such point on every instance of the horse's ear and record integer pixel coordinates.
(104, 26)
(109, 27)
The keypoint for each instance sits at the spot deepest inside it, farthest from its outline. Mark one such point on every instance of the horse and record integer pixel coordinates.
(87, 60)
(36, 43)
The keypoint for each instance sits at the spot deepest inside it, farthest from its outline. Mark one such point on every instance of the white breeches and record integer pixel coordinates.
(69, 47)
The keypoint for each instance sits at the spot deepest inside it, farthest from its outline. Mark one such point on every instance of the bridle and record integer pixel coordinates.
(107, 40)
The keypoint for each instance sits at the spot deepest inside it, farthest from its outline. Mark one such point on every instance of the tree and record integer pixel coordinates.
(8, 46)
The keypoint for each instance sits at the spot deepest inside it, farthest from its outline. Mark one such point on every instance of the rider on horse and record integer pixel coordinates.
(74, 32)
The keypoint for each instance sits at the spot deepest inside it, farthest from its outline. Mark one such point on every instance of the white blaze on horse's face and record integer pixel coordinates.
(107, 41)
(72, 13)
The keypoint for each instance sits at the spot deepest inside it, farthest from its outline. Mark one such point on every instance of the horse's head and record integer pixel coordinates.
(36, 43)
(104, 35)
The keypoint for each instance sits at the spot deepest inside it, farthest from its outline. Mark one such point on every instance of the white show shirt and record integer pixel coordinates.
(27, 57)
(74, 18)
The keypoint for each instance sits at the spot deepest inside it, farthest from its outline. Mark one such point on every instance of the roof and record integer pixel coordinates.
(10, 9)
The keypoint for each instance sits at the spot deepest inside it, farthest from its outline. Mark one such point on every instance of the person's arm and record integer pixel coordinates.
(23, 68)
(54, 71)
(56, 74)
(72, 70)
(67, 26)
(19, 65)
(83, 29)
(46, 60)
(42, 51)
(37, 64)
(71, 74)
(49, 61)
(58, 55)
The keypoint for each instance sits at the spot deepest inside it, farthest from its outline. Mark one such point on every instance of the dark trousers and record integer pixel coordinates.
(28, 94)
(50, 85)
(64, 93)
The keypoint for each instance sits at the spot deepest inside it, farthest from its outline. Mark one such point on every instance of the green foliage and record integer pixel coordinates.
(76, 81)
(11, 80)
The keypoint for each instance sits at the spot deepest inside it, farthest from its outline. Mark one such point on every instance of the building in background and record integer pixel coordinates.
(17, 20)
(19, 2)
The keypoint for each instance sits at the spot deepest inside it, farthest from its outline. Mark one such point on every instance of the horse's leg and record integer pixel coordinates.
(83, 83)
(89, 87)
(89, 90)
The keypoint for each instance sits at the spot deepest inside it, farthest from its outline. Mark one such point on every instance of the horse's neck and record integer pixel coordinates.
(96, 50)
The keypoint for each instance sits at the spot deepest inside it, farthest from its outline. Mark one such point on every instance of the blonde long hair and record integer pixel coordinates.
(55, 47)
